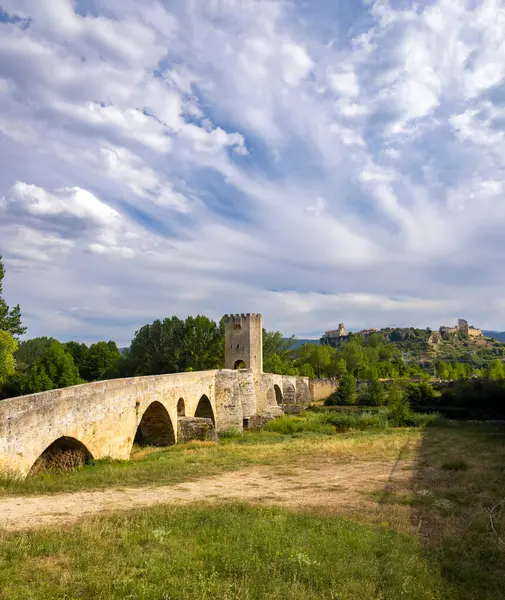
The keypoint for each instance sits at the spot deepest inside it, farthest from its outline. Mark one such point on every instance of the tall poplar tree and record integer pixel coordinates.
(10, 318)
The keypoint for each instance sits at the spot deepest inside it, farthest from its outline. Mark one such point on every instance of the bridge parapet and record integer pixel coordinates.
(106, 416)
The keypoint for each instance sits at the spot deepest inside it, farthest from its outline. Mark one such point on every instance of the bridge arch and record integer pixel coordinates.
(65, 453)
(204, 409)
(181, 408)
(155, 427)
(279, 399)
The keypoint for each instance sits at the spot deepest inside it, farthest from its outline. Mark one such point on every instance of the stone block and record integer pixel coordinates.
(195, 428)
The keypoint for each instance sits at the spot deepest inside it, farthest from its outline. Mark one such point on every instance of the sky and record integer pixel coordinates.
(318, 161)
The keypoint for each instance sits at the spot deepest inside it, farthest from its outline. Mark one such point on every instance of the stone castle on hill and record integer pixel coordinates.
(335, 337)
(464, 328)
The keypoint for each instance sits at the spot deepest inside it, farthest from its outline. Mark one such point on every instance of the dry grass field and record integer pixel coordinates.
(399, 513)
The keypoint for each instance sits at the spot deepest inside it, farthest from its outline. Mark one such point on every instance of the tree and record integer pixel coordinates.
(399, 409)
(29, 350)
(273, 364)
(495, 370)
(443, 370)
(346, 393)
(157, 348)
(278, 353)
(203, 343)
(419, 395)
(374, 394)
(10, 318)
(99, 361)
(321, 359)
(55, 369)
(307, 370)
(353, 355)
(173, 345)
(8, 346)
(79, 353)
(338, 367)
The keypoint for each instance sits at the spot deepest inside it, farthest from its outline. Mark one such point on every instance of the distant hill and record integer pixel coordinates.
(497, 335)
(300, 342)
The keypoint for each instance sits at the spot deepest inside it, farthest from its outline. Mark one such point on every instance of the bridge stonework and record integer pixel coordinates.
(106, 417)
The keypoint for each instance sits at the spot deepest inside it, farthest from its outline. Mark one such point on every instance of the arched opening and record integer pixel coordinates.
(64, 454)
(155, 428)
(239, 364)
(278, 394)
(181, 408)
(204, 409)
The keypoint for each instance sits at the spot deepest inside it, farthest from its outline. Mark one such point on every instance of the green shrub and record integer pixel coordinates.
(420, 394)
(372, 393)
(330, 421)
(231, 434)
(346, 393)
(344, 421)
(289, 425)
(423, 419)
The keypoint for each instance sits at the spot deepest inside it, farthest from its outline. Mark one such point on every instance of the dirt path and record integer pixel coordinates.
(324, 484)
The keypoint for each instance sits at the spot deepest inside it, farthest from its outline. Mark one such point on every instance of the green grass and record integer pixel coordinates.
(236, 552)
(193, 460)
(427, 535)
(329, 422)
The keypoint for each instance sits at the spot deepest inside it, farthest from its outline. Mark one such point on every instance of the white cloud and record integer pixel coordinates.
(74, 213)
(296, 64)
(344, 83)
(216, 156)
(35, 201)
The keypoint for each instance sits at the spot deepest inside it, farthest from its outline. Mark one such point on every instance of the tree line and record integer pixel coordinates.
(197, 343)
(461, 399)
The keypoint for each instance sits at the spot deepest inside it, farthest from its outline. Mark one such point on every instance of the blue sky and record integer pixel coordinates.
(314, 161)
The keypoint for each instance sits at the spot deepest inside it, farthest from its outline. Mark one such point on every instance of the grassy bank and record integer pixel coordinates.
(204, 552)
(426, 535)
(155, 466)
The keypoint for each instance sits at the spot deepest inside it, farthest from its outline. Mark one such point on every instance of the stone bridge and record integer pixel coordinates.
(106, 417)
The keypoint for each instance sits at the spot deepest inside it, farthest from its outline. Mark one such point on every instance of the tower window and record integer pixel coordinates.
(237, 326)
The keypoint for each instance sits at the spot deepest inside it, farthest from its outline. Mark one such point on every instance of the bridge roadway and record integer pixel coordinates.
(105, 417)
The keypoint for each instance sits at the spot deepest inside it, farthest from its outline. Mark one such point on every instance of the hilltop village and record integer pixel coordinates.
(336, 337)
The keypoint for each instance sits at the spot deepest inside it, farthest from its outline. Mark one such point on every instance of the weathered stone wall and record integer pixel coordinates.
(107, 415)
(320, 389)
(473, 332)
(289, 390)
(266, 402)
(104, 416)
(247, 393)
(243, 339)
(193, 428)
(228, 401)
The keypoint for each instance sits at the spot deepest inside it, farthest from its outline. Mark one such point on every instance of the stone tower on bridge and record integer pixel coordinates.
(243, 338)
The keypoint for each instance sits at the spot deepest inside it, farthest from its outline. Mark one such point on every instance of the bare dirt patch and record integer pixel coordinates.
(325, 485)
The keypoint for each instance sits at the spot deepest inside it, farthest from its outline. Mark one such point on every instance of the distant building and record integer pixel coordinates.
(367, 332)
(334, 337)
(469, 331)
